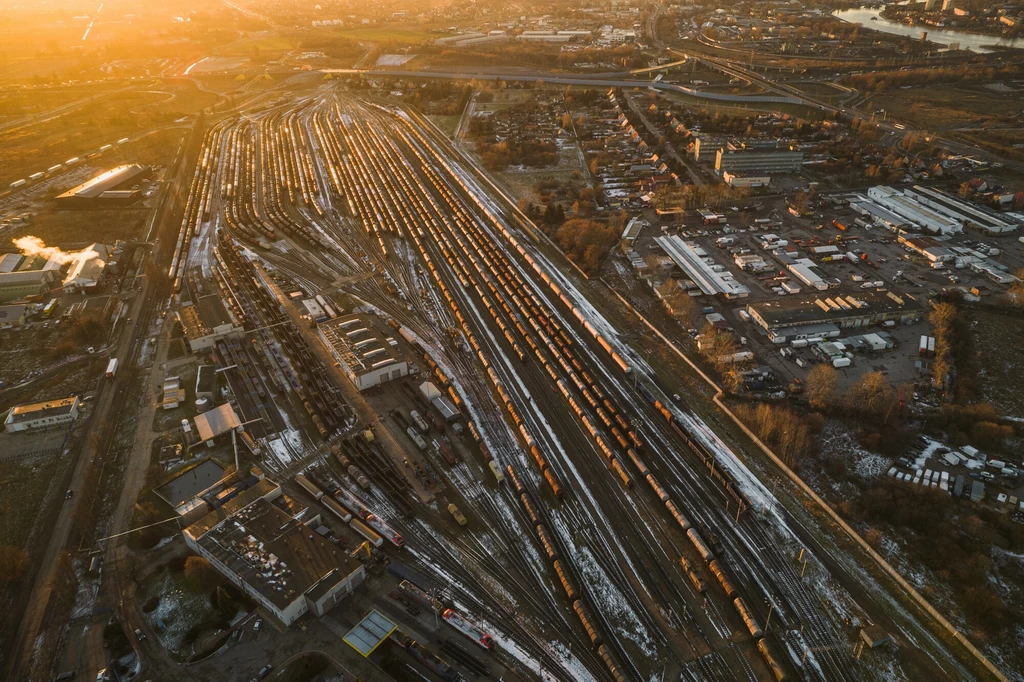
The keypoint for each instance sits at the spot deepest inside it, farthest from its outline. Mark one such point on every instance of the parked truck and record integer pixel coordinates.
(111, 369)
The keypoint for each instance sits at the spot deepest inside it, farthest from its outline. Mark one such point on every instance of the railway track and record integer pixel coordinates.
(626, 482)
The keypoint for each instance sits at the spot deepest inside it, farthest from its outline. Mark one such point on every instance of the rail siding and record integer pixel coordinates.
(882, 563)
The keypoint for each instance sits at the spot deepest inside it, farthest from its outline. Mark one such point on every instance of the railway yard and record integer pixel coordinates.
(606, 531)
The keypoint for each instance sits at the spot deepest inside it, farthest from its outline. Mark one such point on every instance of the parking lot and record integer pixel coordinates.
(880, 263)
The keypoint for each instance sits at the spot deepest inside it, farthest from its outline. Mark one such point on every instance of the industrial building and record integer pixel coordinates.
(912, 211)
(272, 556)
(12, 315)
(814, 316)
(960, 211)
(27, 283)
(746, 180)
(367, 356)
(104, 189)
(86, 274)
(206, 385)
(711, 278)
(927, 247)
(807, 271)
(878, 214)
(205, 322)
(42, 415)
(757, 160)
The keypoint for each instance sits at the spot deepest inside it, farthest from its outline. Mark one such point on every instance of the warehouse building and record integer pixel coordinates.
(272, 556)
(711, 278)
(104, 189)
(367, 356)
(815, 316)
(754, 160)
(12, 315)
(878, 214)
(42, 415)
(927, 247)
(961, 211)
(27, 283)
(205, 322)
(912, 211)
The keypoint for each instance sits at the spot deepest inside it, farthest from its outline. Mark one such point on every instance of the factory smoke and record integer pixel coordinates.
(34, 246)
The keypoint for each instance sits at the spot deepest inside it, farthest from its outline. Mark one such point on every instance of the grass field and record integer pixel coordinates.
(267, 45)
(447, 124)
(380, 35)
(996, 338)
(941, 107)
(36, 147)
(26, 485)
(73, 228)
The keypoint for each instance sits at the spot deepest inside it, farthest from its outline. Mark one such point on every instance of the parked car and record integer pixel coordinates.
(265, 670)
(139, 634)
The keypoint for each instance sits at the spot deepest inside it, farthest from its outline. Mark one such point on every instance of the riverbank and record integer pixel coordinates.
(872, 19)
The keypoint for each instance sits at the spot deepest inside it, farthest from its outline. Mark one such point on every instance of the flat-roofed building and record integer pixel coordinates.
(13, 315)
(269, 554)
(26, 283)
(104, 189)
(745, 179)
(760, 161)
(705, 147)
(958, 210)
(711, 278)
(367, 356)
(790, 317)
(927, 247)
(205, 322)
(43, 415)
(912, 211)
(9, 262)
(206, 382)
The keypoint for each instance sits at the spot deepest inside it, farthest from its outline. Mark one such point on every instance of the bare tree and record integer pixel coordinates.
(718, 347)
(13, 562)
(822, 382)
(873, 395)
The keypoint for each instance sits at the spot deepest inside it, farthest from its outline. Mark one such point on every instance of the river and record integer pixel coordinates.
(968, 41)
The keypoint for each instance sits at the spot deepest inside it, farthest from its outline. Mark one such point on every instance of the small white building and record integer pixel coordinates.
(42, 415)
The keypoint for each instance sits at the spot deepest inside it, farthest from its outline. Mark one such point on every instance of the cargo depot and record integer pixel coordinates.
(818, 317)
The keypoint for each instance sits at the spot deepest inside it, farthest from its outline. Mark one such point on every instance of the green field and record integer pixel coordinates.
(447, 124)
(380, 35)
